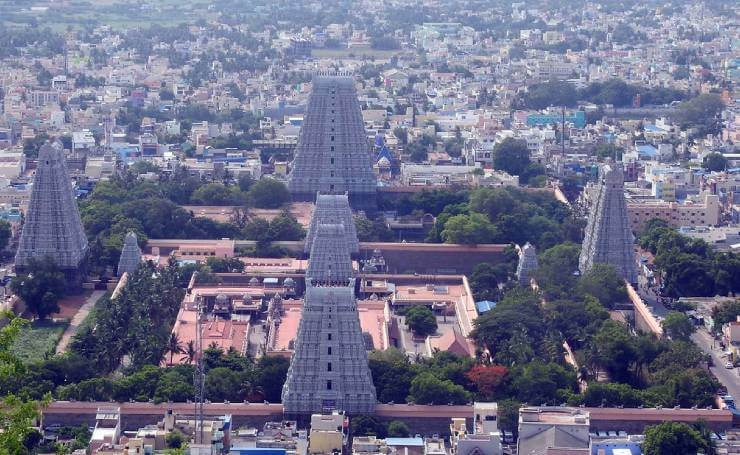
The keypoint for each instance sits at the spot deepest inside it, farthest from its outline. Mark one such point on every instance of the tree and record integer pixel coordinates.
(166, 95)
(271, 374)
(426, 388)
(190, 352)
(557, 267)
(285, 227)
(487, 379)
(469, 229)
(363, 425)
(216, 194)
(670, 438)
(245, 182)
(613, 348)
(538, 382)
(701, 112)
(222, 384)
(174, 346)
(508, 416)
(401, 134)
(398, 429)
(16, 415)
(485, 279)
(269, 193)
(421, 320)
(725, 312)
(715, 162)
(511, 156)
(40, 287)
(678, 326)
(372, 230)
(551, 93)
(392, 374)
(5, 234)
(603, 283)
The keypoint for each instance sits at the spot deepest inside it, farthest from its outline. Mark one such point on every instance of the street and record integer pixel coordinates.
(728, 377)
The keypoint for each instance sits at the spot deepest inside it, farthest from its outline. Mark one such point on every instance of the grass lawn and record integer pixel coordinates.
(37, 339)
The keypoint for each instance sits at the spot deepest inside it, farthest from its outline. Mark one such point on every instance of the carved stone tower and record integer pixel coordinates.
(608, 238)
(130, 255)
(333, 154)
(329, 368)
(333, 209)
(53, 228)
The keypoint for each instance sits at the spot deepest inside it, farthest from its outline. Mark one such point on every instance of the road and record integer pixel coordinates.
(729, 378)
(78, 319)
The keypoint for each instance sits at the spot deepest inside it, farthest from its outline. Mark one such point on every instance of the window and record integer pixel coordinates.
(331, 187)
(332, 159)
(328, 366)
(328, 336)
(332, 138)
(328, 350)
(328, 385)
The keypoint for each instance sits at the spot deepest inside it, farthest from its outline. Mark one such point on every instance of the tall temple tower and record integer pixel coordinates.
(527, 265)
(333, 153)
(130, 255)
(52, 228)
(329, 368)
(608, 237)
(333, 208)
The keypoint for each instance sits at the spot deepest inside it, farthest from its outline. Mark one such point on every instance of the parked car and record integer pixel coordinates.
(729, 365)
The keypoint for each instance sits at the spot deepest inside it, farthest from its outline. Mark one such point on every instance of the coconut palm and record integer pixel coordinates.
(190, 352)
(174, 346)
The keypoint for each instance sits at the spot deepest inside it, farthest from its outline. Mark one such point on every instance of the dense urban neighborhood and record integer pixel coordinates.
(344, 226)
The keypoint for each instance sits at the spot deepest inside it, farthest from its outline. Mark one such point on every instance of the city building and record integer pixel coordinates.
(677, 214)
(328, 433)
(553, 430)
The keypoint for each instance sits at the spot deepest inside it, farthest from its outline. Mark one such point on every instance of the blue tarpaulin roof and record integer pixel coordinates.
(485, 305)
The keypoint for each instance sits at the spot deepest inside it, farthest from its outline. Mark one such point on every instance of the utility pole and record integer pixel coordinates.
(199, 375)
(562, 132)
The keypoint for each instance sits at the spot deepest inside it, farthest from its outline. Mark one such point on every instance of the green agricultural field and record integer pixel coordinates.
(38, 339)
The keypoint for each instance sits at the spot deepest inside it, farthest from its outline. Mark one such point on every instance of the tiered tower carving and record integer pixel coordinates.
(53, 228)
(608, 238)
(130, 255)
(329, 368)
(333, 209)
(333, 153)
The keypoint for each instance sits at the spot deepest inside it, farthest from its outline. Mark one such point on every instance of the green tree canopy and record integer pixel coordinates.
(511, 156)
(603, 283)
(678, 326)
(269, 193)
(40, 287)
(421, 320)
(426, 388)
(669, 438)
(715, 162)
(469, 229)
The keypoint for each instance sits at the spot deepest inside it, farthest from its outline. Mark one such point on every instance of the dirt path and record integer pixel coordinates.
(77, 319)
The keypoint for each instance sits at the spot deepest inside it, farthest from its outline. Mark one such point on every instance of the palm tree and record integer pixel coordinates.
(174, 346)
(190, 352)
